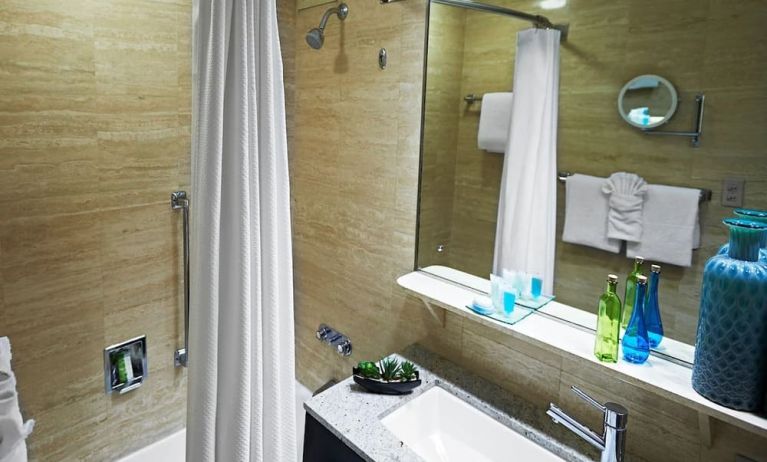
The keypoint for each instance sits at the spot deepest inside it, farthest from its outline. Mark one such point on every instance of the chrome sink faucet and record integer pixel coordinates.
(612, 441)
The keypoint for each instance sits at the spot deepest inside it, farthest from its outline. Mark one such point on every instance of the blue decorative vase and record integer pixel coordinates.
(759, 216)
(731, 346)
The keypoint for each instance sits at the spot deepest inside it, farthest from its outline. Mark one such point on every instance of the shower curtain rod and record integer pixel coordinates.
(537, 20)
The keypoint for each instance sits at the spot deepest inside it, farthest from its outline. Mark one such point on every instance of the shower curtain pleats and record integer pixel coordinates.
(241, 350)
(526, 228)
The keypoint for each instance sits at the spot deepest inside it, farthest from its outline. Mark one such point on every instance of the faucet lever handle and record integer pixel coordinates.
(588, 398)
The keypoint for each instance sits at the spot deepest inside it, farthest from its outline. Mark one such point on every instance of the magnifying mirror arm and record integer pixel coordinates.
(698, 130)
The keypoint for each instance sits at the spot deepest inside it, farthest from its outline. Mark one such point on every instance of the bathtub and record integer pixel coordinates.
(172, 448)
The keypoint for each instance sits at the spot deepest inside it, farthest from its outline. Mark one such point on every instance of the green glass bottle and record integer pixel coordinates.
(608, 323)
(631, 290)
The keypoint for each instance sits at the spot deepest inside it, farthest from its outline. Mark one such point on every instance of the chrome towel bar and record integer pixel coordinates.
(471, 98)
(705, 194)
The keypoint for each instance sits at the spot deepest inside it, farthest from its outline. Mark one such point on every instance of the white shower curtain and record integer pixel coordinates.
(525, 234)
(241, 363)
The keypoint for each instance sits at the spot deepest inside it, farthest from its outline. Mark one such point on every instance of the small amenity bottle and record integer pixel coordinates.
(536, 285)
(652, 309)
(608, 323)
(636, 345)
(509, 299)
(630, 295)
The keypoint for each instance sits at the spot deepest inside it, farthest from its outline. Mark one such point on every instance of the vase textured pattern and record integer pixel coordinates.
(759, 216)
(731, 346)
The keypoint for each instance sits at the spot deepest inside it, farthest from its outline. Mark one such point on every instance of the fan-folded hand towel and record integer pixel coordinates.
(626, 193)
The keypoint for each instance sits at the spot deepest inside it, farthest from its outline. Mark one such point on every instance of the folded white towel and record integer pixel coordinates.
(12, 436)
(13, 431)
(586, 211)
(494, 122)
(626, 192)
(670, 222)
(5, 355)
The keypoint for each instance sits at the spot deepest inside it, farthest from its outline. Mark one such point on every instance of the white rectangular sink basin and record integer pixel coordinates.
(440, 427)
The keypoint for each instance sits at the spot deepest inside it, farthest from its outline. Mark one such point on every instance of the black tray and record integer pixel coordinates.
(386, 388)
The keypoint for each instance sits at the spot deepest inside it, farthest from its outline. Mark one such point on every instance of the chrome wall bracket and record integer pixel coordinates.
(179, 200)
(341, 343)
(697, 130)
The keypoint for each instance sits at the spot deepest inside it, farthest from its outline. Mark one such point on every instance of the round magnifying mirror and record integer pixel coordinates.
(647, 101)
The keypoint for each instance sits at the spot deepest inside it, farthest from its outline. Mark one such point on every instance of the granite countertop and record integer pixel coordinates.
(353, 414)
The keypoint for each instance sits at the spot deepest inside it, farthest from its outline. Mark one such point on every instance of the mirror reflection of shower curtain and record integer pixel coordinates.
(241, 342)
(525, 233)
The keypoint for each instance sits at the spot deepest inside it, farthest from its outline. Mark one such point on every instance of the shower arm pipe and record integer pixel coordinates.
(326, 16)
(537, 20)
(179, 200)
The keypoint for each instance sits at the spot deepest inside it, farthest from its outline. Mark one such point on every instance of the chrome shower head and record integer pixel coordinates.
(316, 37)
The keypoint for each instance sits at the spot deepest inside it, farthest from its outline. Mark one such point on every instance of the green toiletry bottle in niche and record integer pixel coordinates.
(631, 290)
(118, 361)
(608, 323)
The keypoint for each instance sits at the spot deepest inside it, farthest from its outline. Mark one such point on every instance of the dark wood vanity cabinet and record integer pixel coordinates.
(321, 445)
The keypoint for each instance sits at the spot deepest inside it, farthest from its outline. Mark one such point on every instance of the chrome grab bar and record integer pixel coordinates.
(180, 201)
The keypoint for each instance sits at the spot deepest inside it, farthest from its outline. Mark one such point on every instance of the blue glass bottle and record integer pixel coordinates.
(636, 345)
(652, 309)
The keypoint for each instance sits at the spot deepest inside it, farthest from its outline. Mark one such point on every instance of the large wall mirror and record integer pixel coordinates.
(628, 53)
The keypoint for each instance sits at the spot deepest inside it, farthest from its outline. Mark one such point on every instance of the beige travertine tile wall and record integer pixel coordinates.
(286, 19)
(440, 134)
(354, 173)
(488, 66)
(95, 133)
(95, 109)
(712, 46)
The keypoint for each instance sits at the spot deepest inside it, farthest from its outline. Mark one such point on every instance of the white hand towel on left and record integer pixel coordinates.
(671, 226)
(586, 210)
(626, 192)
(12, 445)
(494, 122)
(13, 431)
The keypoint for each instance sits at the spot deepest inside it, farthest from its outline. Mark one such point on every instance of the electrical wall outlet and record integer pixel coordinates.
(733, 190)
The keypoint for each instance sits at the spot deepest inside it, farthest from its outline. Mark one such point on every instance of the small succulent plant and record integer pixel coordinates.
(407, 371)
(390, 369)
(368, 370)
